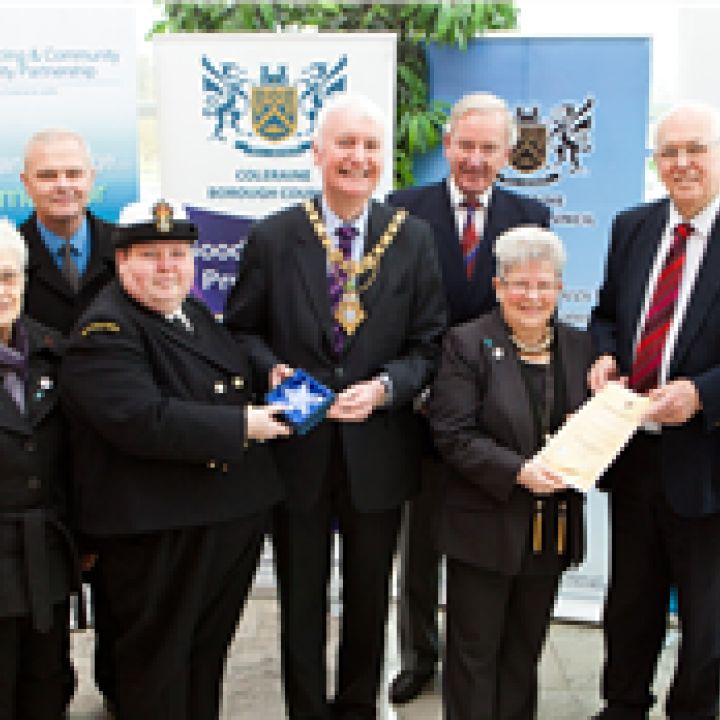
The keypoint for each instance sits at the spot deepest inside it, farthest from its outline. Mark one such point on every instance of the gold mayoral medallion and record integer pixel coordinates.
(350, 313)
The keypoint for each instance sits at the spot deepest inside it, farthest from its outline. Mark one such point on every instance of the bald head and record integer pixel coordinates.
(58, 176)
(688, 157)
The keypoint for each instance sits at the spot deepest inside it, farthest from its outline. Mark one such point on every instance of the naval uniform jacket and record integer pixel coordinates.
(482, 420)
(37, 558)
(48, 295)
(157, 417)
(281, 303)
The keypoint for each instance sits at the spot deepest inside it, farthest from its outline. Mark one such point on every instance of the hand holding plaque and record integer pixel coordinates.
(590, 440)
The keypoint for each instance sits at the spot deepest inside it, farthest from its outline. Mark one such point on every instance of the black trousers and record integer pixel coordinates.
(302, 551)
(496, 627)
(653, 548)
(33, 668)
(175, 598)
(418, 631)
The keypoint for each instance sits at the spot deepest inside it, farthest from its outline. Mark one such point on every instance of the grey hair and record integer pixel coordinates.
(484, 103)
(698, 108)
(525, 243)
(54, 135)
(360, 104)
(11, 239)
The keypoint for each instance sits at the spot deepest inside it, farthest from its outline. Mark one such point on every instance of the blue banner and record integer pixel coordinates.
(582, 108)
(219, 249)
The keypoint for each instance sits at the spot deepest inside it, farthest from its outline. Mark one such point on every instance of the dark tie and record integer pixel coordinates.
(337, 279)
(69, 265)
(470, 241)
(648, 354)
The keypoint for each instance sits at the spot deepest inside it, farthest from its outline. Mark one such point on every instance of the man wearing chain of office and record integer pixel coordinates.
(348, 290)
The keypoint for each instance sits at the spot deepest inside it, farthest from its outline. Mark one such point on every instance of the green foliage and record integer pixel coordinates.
(419, 121)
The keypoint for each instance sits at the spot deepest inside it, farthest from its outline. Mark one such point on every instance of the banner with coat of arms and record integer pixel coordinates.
(581, 106)
(237, 115)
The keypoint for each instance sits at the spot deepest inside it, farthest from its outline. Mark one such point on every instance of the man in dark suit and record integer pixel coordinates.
(466, 212)
(349, 290)
(70, 253)
(70, 259)
(171, 488)
(656, 326)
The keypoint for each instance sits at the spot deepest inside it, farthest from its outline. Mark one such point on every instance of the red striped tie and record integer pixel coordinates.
(649, 351)
(470, 241)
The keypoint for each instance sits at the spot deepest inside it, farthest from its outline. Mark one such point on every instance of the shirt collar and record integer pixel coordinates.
(702, 222)
(333, 222)
(457, 198)
(55, 242)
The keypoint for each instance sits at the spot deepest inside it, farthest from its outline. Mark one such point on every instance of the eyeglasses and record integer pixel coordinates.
(10, 277)
(522, 287)
(693, 151)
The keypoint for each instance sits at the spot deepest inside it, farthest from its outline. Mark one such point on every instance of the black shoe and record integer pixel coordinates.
(408, 684)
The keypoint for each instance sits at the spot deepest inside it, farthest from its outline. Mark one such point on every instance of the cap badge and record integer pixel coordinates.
(163, 216)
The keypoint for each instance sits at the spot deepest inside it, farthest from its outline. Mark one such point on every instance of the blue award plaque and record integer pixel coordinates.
(306, 398)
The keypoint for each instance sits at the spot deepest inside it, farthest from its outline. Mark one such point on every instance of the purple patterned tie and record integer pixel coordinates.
(337, 279)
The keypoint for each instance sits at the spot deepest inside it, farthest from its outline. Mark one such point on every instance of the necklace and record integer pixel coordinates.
(350, 313)
(533, 348)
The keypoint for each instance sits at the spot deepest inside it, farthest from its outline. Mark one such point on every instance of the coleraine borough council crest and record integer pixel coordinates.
(273, 116)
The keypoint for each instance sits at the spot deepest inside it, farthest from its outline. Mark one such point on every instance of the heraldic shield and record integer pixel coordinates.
(530, 151)
(274, 111)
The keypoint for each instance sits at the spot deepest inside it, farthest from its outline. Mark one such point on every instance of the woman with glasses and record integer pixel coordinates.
(510, 526)
(37, 560)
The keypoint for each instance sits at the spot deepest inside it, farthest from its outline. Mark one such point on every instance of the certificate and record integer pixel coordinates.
(588, 442)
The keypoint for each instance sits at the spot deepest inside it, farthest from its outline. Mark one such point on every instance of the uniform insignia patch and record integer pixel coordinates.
(100, 327)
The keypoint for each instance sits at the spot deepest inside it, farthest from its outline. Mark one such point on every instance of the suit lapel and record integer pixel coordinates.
(101, 253)
(10, 416)
(640, 263)
(703, 297)
(44, 267)
(507, 377)
(311, 262)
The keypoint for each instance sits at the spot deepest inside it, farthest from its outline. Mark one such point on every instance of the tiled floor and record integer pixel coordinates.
(569, 674)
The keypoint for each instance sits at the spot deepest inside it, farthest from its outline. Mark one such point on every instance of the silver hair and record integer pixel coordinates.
(349, 102)
(525, 243)
(482, 102)
(53, 135)
(11, 239)
(699, 108)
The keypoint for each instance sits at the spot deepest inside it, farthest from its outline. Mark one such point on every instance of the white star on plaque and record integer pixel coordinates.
(301, 399)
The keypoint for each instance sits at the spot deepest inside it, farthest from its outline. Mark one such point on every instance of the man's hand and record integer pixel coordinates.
(674, 403)
(278, 373)
(603, 370)
(357, 402)
(539, 479)
(261, 424)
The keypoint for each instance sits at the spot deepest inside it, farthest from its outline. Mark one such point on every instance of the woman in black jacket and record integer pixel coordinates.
(37, 557)
(510, 526)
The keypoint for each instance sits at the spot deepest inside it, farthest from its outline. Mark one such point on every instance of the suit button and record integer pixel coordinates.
(238, 382)
(219, 387)
(339, 372)
(225, 467)
(30, 445)
(211, 465)
(33, 482)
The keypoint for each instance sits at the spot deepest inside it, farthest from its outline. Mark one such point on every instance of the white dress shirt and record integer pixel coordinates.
(457, 199)
(694, 252)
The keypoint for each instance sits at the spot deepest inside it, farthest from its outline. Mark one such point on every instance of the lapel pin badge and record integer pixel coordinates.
(46, 383)
(498, 353)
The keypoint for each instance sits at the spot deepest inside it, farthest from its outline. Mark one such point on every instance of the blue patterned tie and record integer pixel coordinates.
(337, 279)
